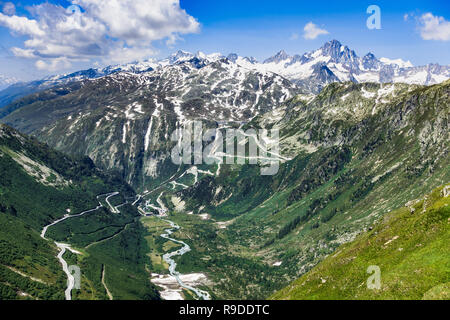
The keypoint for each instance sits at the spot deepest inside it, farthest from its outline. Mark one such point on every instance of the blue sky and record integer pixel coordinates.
(247, 27)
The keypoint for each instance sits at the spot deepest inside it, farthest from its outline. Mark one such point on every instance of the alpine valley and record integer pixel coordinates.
(364, 180)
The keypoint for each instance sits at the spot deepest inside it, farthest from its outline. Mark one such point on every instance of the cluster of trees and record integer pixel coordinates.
(321, 170)
(26, 205)
(314, 208)
(125, 260)
(16, 283)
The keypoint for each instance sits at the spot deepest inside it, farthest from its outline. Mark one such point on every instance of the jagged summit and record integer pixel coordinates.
(337, 62)
(339, 53)
(179, 56)
(279, 57)
(370, 62)
(311, 71)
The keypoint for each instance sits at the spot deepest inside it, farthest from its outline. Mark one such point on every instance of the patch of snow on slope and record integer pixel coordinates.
(124, 133)
(399, 62)
(367, 94)
(418, 78)
(149, 132)
(343, 98)
(368, 77)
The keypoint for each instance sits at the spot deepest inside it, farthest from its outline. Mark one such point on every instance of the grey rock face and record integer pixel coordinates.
(124, 121)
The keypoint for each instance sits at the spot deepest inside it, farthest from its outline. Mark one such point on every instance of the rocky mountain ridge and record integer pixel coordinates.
(127, 119)
(312, 71)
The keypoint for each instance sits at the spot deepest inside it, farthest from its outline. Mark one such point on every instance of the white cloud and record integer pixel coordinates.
(24, 53)
(9, 8)
(123, 54)
(136, 20)
(172, 39)
(434, 27)
(312, 31)
(114, 31)
(21, 25)
(53, 64)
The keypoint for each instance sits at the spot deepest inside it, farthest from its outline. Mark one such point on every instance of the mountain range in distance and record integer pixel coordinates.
(311, 72)
(338, 62)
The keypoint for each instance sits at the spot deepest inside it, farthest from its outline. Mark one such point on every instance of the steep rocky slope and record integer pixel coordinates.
(124, 121)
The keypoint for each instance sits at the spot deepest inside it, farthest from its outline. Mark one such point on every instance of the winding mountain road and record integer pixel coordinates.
(168, 257)
(64, 247)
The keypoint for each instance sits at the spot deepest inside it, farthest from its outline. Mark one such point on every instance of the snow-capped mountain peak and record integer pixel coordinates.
(337, 62)
(209, 57)
(180, 56)
(311, 71)
(279, 57)
(338, 52)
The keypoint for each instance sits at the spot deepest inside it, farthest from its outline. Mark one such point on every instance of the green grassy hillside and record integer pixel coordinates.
(38, 186)
(409, 245)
